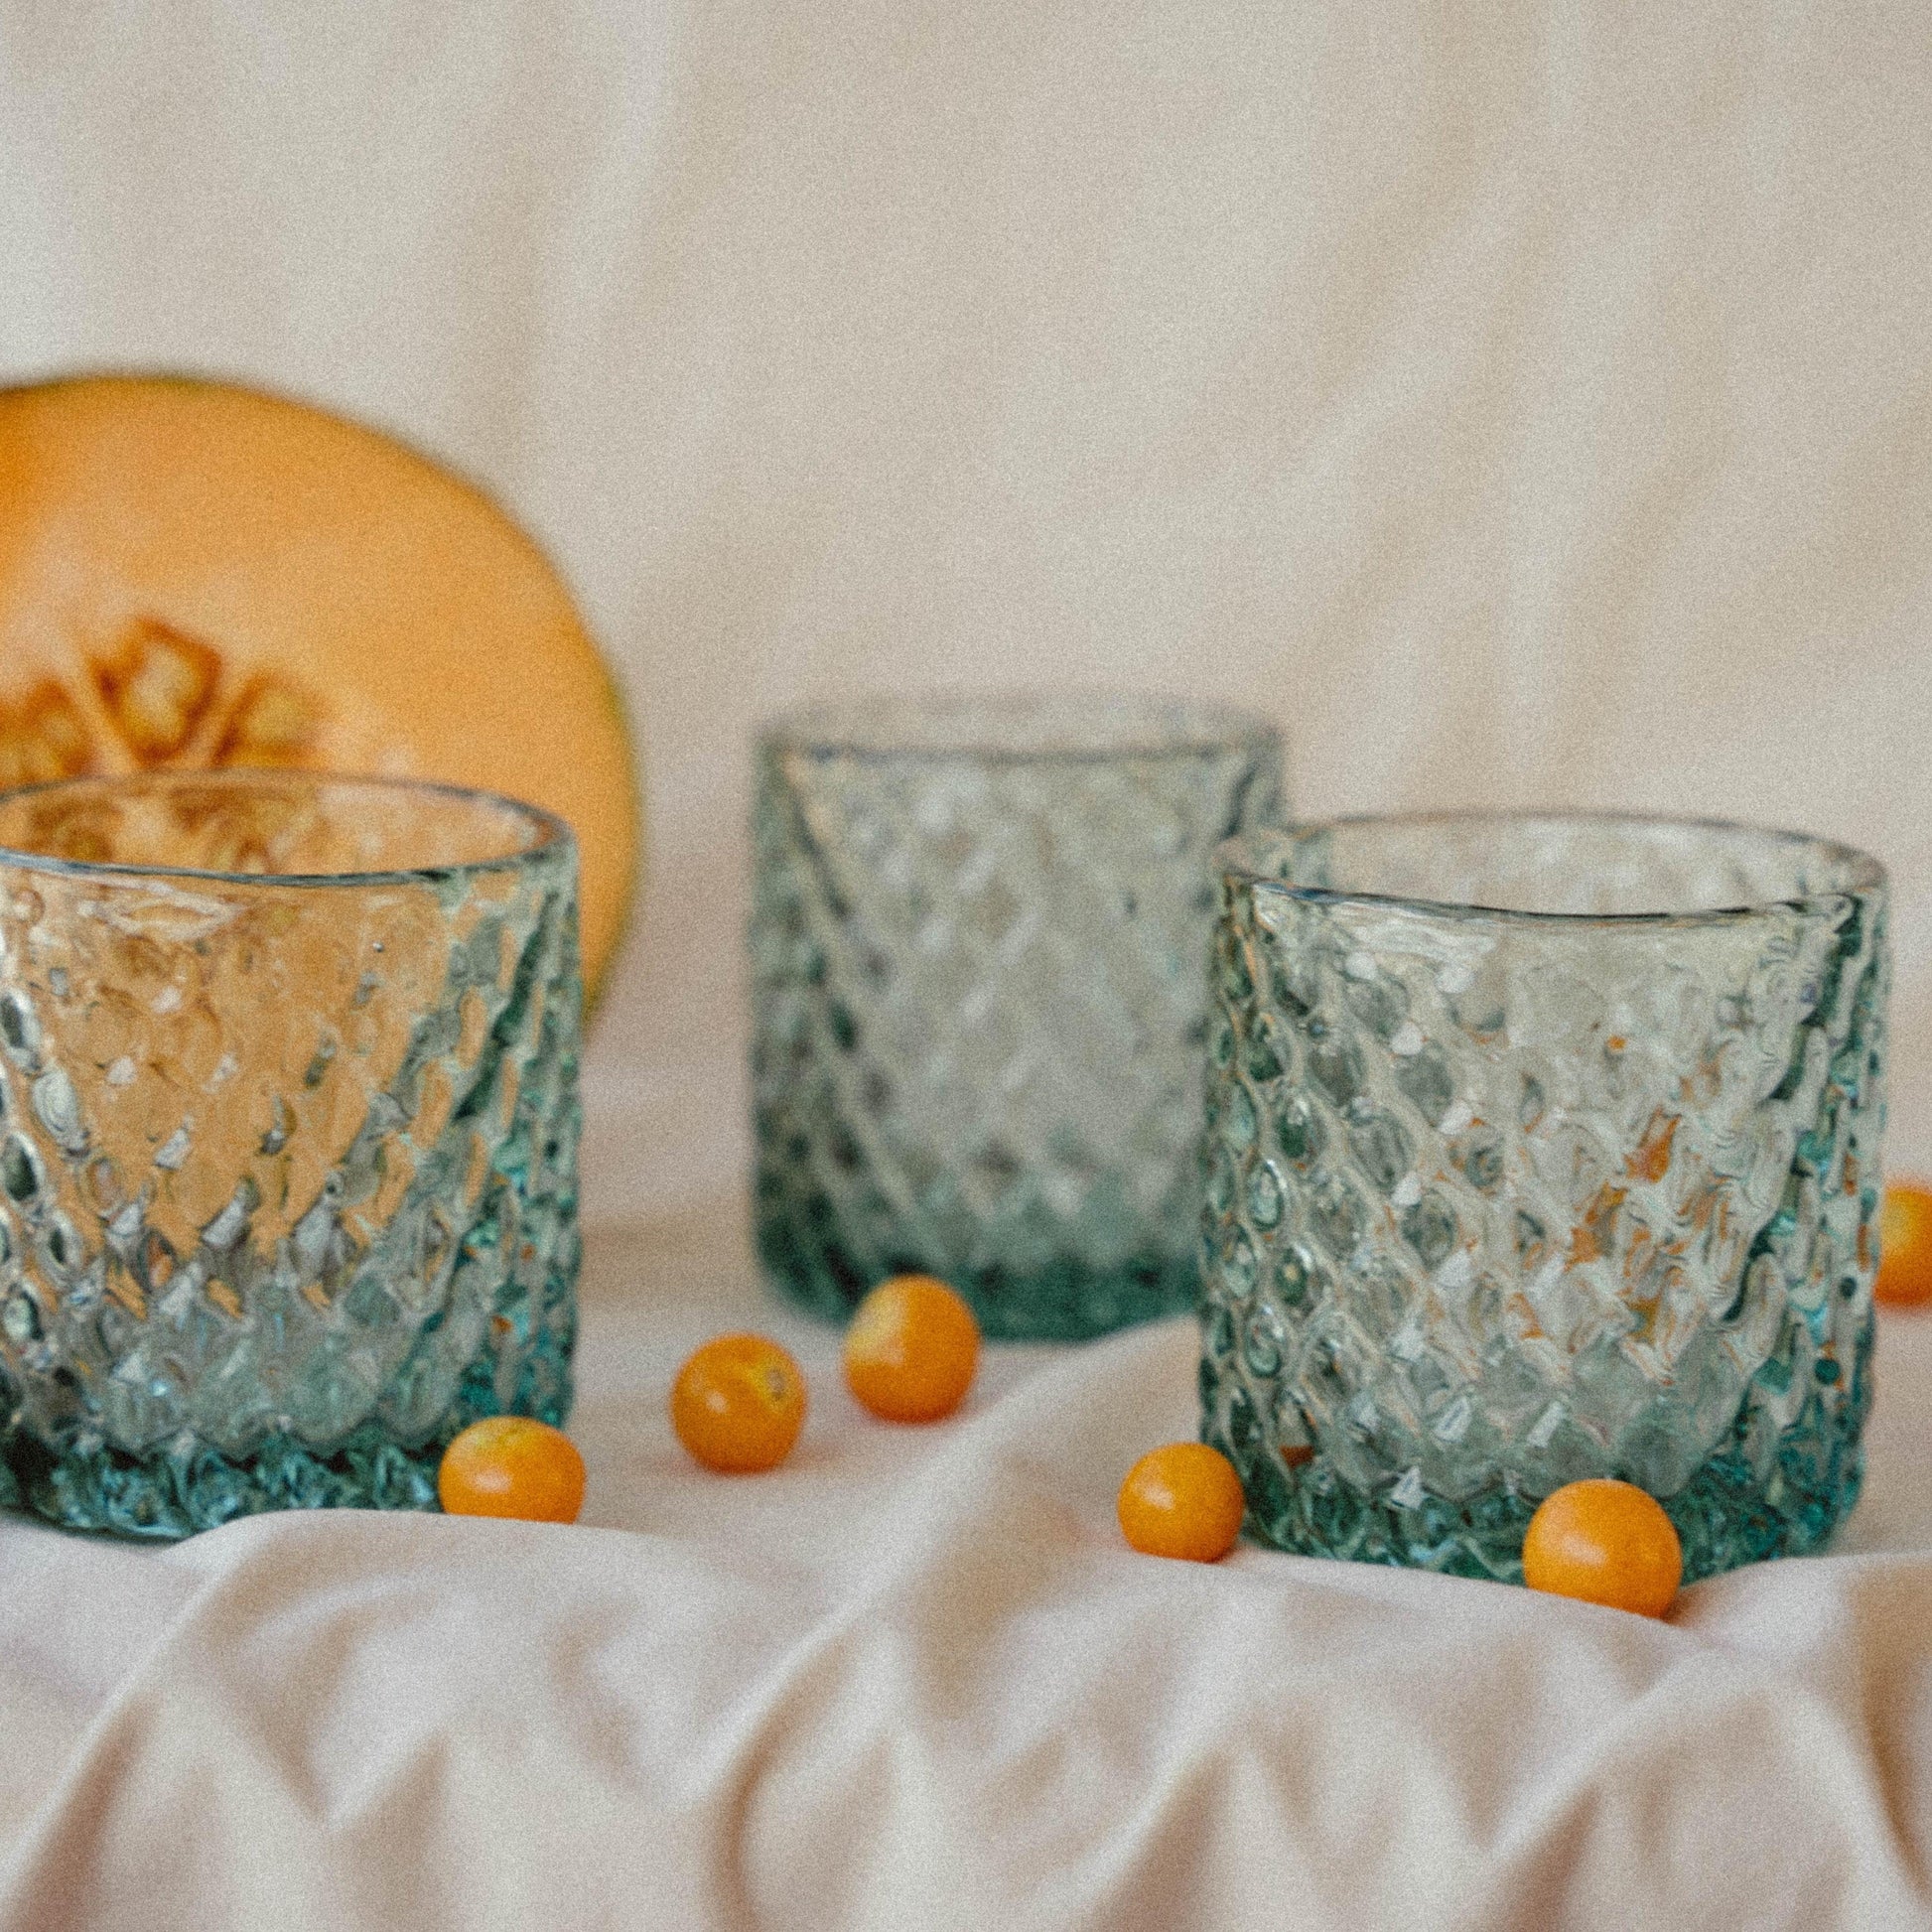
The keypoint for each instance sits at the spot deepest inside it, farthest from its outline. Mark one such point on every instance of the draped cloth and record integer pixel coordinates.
(914, 1677)
(1523, 403)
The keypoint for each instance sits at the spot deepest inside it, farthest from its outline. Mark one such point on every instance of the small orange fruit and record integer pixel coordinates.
(1906, 1246)
(1605, 1543)
(511, 1465)
(912, 1350)
(738, 1403)
(1182, 1499)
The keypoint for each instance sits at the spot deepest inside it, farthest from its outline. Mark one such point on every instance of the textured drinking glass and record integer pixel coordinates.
(288, 1160)
(1541, 1148)
(979, 951)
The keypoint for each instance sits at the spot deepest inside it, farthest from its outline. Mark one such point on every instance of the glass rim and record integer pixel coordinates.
(1160, 725)
(546, 832)
(1234, 861)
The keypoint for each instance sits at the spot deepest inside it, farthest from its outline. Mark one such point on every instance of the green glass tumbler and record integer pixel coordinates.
(288, 1069)
(1541, 1148)
(979, 948)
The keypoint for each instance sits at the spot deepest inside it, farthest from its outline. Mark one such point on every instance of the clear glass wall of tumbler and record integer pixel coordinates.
(1541, 1148)
(288, 1069)
(979, 948)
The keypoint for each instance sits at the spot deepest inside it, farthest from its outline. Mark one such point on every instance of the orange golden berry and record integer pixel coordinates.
(912, 1350)
(1906, 1246)
(512, 1465)
(738, 1403)
(1606, 1542)
(1182, 1499)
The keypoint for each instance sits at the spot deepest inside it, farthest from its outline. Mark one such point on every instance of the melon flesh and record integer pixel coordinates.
(197, 575)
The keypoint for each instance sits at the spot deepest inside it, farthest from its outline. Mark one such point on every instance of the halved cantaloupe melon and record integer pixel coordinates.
(192, 574)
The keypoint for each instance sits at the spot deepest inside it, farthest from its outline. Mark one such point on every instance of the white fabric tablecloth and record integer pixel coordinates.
(914, 1678)
(1524, 403)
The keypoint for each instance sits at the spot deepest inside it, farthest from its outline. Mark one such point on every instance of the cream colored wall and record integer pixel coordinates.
(1521, 402)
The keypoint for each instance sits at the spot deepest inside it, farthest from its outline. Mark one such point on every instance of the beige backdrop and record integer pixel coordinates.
(1523, 403)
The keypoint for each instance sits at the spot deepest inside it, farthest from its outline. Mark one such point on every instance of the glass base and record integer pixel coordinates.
(1066, 1300)
(1737, 1508)
(87, 1484)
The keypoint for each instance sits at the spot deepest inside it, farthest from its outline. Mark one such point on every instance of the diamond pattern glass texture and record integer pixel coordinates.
(1540, 1149)
(288, 1160)
(979, 949)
